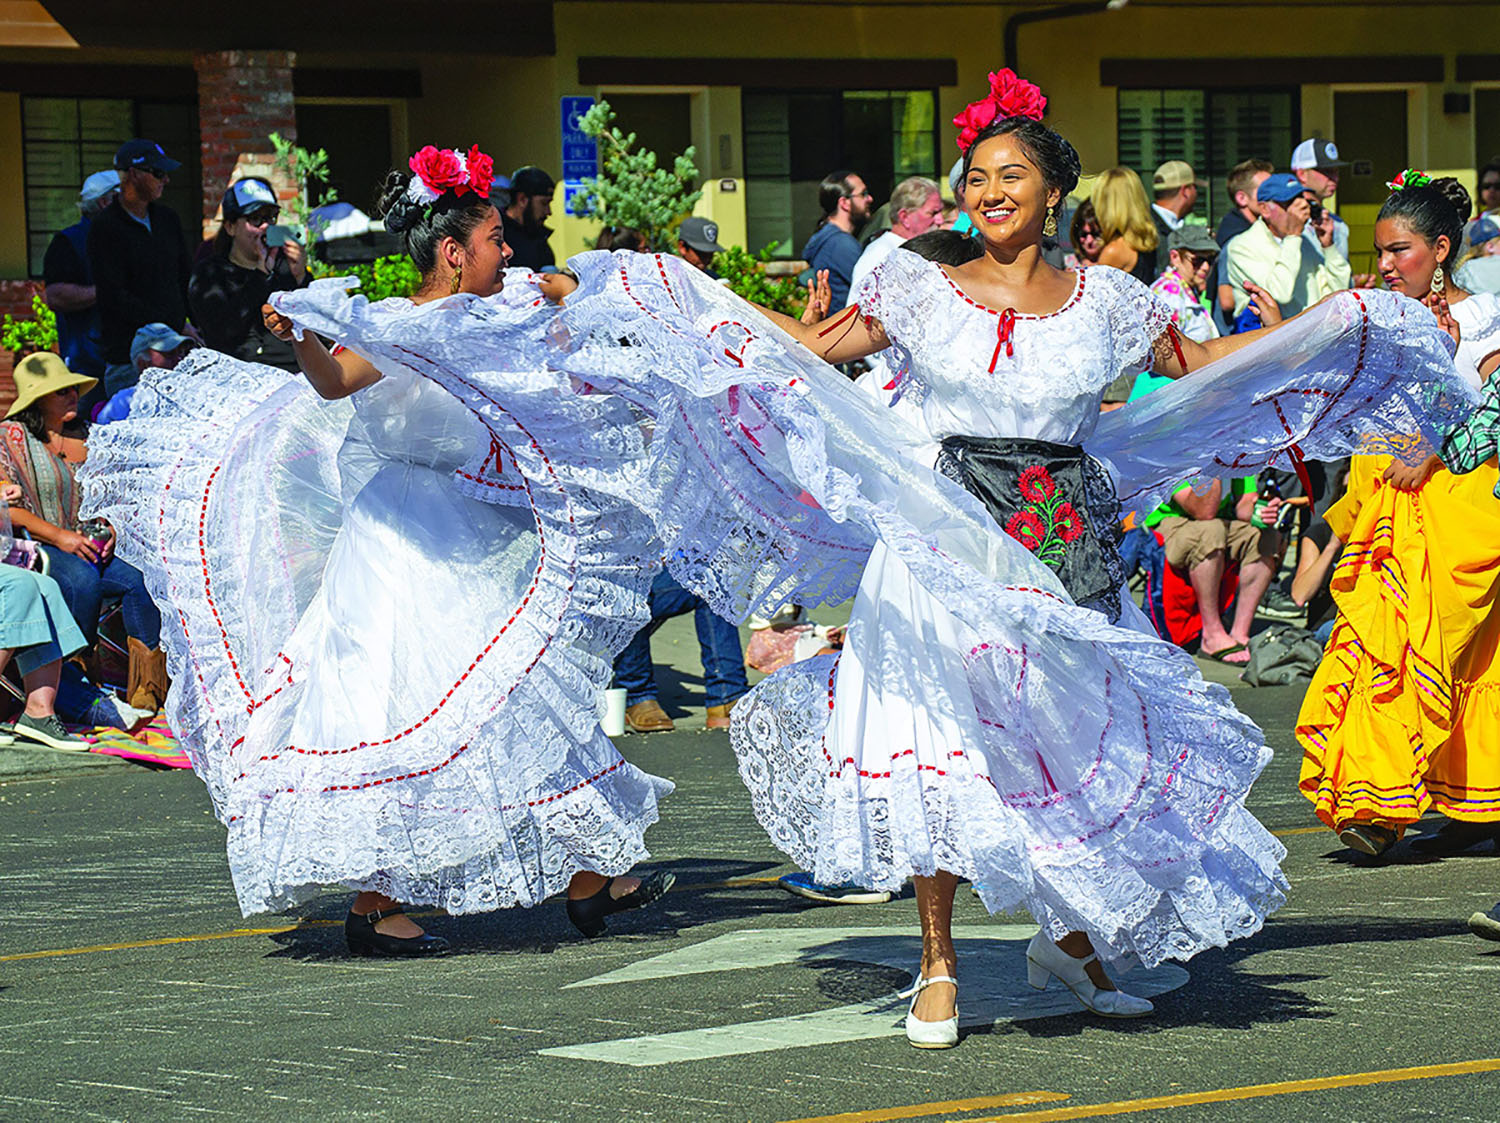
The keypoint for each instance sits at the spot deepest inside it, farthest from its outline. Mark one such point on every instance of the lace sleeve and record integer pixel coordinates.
(899, 295)
(1139, 322)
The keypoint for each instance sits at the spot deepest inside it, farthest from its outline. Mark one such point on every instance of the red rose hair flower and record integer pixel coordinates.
(1027, 529)
(1009, 96)
(1068, 521)
(438, 168)
(481, 172)
(1037, 484)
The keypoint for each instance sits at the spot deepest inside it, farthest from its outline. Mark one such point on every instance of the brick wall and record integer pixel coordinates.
(243, 97)
(15, 298)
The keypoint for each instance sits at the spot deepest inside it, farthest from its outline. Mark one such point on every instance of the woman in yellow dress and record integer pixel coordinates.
(1404, 712)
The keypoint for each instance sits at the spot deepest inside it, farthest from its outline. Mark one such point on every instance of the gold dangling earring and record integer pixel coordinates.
(458, 277)
(1438, 281)
(1049, 225)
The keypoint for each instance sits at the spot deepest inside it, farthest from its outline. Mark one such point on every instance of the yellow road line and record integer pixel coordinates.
(1302, 830)
(1248, 1092)
(917, 1111)
(160, 941)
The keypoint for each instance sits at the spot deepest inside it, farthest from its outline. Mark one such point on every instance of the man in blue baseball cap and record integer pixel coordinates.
(139, 259)
(1274, 256)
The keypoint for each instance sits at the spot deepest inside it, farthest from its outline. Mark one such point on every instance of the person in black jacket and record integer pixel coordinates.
(139, 259)
(229, 286)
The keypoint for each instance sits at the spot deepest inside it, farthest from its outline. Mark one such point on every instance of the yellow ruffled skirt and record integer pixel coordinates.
(1403, 714)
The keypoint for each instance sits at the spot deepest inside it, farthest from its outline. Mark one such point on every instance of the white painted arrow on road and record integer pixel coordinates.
(992, 989)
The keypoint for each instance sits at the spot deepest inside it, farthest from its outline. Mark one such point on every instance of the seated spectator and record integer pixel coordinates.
(1130, 239)
(724, 681)
(698, 243)
(241, 271)
(1192, 256)
(1479, 269)
(155, 345)
(1275, 256)
(1086, 237)
(69, 282)
(916, 207)
(1202, 533)
(35, 454)
(37, 631)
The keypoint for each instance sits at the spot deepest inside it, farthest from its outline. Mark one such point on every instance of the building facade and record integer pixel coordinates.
(771, 95)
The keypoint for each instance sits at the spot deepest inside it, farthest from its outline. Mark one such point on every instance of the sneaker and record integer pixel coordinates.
(804, 885)
(47, 731)
(1486, 925)
(1279, 606)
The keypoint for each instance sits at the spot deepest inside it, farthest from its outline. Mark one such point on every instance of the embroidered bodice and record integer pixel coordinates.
(983, 372)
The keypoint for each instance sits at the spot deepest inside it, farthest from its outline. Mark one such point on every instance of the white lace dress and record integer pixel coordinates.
(978, 721)
(388, 627)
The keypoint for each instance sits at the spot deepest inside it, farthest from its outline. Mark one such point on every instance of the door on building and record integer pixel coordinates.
(357, 139)
(1369, 126)
(795, 138)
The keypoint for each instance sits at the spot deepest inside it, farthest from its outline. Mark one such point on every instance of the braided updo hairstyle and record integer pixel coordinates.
(423, 226)
(1432, 210)
(1050, 151)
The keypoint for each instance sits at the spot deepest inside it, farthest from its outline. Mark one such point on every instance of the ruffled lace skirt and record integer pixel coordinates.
(387, 640)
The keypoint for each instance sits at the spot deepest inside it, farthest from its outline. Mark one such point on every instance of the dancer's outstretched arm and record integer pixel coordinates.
(843, 337)
(332, 376)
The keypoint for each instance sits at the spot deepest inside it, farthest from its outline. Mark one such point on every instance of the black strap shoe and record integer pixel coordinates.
(363, 940)
(588, 913)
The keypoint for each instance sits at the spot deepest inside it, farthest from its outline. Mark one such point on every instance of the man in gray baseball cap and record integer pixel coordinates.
(698, 242)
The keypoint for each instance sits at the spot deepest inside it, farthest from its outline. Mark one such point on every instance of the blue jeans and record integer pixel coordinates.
(34, 619)
(718, 640)
(85, 587)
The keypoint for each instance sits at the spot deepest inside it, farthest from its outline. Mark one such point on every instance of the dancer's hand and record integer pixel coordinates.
(1406, 477)
(819, 298)
(1438, 302)
(278, 325)
(1264, 304)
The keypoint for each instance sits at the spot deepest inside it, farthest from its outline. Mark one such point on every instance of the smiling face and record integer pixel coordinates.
(1004, 193)
(1406, 260)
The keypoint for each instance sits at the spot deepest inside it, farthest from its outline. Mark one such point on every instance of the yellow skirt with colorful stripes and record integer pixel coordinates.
(1403, 714)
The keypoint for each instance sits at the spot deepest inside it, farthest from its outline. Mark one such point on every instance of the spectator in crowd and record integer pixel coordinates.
(1085, 235)
(37, 631)
(1201, 533)
(877, 225)
(1176, 188)
(916, 207)
(1318, 550)
(1489, 189)
(1130, 238)
(846, 204)
(155, 345)
(35, 454)
(698, 243)
(242, 269)
(1244, 180)
(724, 681)
(622, 238)
(1479, 269)
(1192, 256)
(526, 230)
(1274, 255)
(69, 282)
(1316, 164)
(139, 259)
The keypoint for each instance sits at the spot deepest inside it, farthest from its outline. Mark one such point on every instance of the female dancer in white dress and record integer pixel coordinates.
(387, 636)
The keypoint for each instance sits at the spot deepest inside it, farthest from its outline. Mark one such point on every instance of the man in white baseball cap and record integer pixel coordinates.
(1316, 164)
(68, 282)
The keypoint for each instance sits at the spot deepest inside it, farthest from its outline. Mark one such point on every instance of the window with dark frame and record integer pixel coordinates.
(64, 140)
(794, 138)
(1211, 129)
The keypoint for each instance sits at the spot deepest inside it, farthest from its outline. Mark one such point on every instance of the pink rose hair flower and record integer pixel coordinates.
(1009, 96)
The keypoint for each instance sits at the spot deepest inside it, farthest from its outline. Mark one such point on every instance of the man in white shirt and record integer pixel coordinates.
(1275, 256)
(916, 207)
(1176, 188)
(1316, 164)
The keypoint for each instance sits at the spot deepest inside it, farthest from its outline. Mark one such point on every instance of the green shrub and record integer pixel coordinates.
(746, 276)
(630, 190)
(395, 275)
(39, 334)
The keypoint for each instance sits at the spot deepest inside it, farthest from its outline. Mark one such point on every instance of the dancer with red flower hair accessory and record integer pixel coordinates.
(385, 669)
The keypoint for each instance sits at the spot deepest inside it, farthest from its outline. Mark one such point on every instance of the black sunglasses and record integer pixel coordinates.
(263, 217)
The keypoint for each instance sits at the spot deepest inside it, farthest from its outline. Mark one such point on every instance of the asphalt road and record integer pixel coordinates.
(131, 988)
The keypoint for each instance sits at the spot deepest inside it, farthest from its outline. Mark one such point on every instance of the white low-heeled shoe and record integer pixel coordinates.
(930, 1035)
(1045, 960)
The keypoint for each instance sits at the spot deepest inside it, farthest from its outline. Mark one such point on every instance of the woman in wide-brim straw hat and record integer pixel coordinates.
(36, 454)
